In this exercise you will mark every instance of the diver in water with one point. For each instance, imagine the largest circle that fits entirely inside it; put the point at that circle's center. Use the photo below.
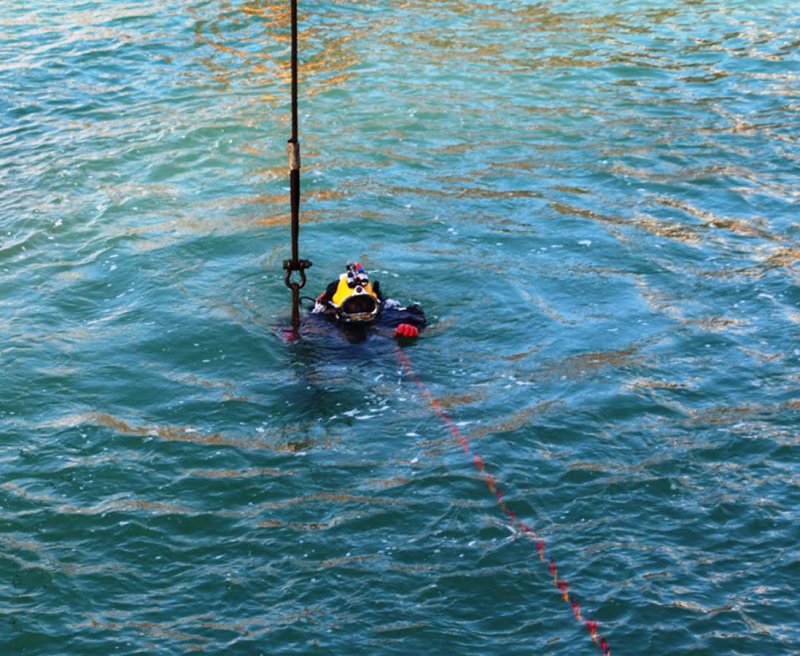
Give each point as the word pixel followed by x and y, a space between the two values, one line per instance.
pixel 355 303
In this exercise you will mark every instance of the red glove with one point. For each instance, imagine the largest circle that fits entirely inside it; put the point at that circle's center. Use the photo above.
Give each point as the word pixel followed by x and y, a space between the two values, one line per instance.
pixel 406 330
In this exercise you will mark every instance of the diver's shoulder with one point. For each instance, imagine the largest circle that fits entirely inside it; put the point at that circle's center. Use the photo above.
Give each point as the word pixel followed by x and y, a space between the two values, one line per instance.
pixel 394 313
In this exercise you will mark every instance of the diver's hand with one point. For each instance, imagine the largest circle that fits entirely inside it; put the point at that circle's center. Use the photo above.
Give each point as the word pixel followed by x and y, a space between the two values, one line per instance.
pixel 319 308
pixel 406 330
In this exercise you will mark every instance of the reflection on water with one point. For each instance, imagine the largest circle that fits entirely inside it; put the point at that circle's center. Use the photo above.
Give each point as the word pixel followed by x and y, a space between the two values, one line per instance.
pixel 595 205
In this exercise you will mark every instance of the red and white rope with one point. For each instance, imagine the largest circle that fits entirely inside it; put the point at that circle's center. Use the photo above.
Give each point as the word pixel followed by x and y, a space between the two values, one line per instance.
pixel 491 482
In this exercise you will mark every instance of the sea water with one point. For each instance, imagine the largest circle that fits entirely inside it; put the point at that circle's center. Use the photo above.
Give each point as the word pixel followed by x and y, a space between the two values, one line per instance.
pixel 595 203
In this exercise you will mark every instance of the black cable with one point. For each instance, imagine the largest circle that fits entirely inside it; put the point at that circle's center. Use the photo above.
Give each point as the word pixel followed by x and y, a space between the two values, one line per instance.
pixel 293 148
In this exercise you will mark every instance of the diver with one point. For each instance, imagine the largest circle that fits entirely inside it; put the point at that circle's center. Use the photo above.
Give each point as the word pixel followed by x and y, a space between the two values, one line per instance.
pixel 356 303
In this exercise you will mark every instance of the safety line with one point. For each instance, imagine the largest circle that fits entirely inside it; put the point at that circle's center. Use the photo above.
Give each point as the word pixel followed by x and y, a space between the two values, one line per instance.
pixel 493 484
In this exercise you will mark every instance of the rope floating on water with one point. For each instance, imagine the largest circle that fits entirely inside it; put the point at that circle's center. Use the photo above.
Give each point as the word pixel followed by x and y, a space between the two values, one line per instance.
pixel 492 483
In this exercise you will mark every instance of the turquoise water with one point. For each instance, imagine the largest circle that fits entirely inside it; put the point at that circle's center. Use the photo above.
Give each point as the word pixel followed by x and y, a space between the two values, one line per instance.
pixel 596 203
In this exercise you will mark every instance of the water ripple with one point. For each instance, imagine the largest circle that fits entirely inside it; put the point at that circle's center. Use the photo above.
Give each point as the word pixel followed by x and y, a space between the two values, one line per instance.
pixel 596 205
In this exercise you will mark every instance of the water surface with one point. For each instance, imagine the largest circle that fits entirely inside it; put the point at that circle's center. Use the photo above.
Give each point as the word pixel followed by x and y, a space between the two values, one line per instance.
pixel 596 205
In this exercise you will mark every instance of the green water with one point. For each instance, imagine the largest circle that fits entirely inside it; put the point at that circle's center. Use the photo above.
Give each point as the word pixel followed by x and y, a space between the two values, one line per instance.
pixel 597 205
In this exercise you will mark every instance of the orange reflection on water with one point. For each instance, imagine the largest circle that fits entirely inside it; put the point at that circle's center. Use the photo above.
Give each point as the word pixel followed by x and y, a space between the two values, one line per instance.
pixel 170 433
pixel 240 473
pixel 249 33
pixel 321 525
pixel 515 420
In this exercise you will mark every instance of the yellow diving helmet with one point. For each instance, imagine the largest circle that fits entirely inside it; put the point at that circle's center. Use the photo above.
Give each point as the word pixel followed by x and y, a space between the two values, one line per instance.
pixel 355 301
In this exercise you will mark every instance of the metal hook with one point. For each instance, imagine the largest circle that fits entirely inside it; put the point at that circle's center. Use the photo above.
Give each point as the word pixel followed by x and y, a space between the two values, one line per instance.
pixel 290 266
